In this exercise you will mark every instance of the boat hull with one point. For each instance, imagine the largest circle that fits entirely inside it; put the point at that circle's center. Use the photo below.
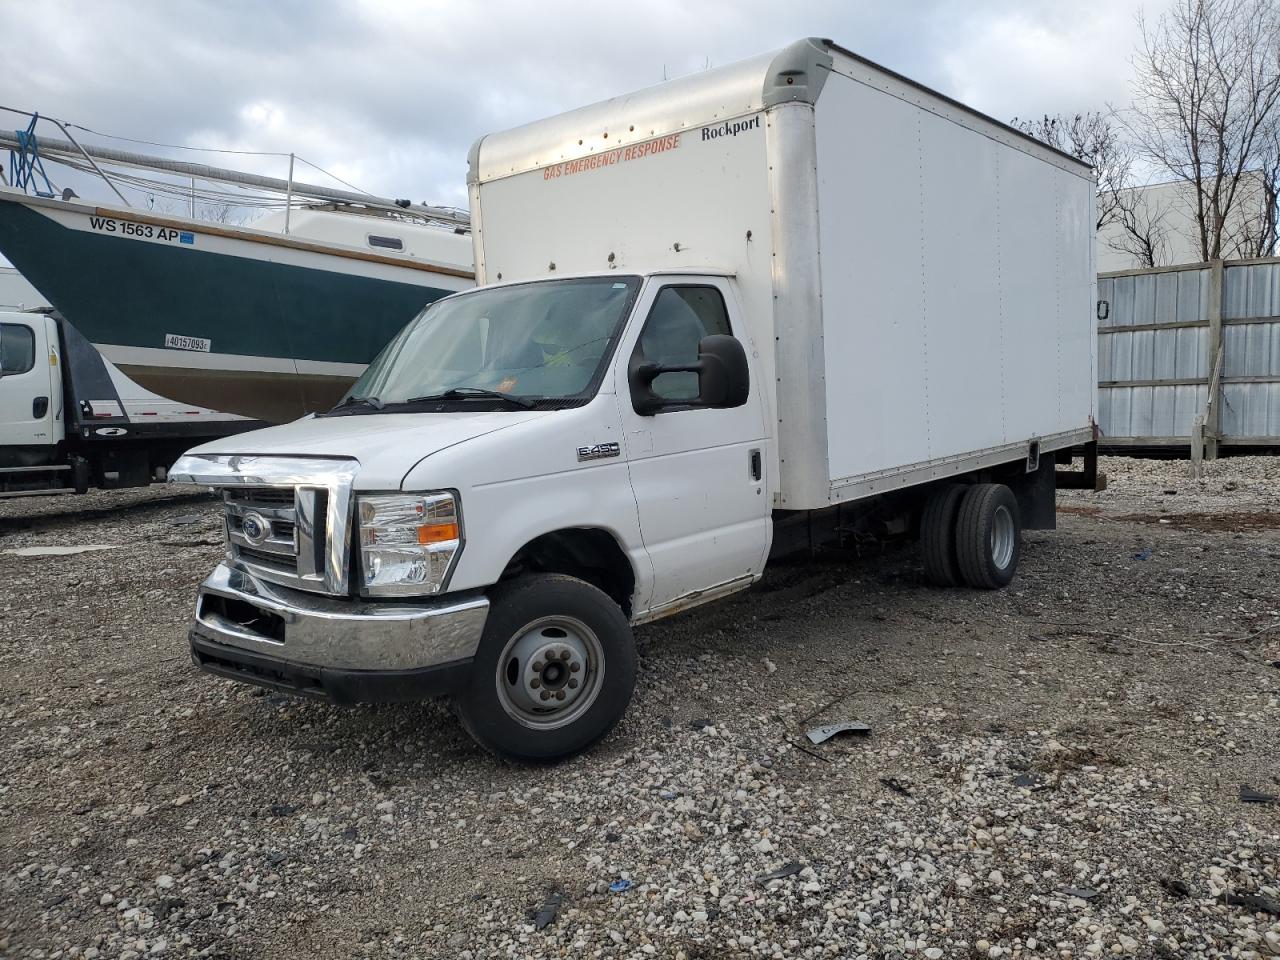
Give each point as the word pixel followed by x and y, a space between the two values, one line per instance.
pixel 232 319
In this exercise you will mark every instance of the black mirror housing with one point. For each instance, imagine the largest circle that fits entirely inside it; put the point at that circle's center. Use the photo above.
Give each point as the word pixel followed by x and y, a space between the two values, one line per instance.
pixel 724 378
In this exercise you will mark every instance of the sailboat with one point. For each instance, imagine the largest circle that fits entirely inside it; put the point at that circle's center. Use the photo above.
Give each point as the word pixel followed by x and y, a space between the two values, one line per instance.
pixel 270 320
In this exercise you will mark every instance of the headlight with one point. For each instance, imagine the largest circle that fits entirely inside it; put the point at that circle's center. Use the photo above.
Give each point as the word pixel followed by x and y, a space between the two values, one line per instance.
pixel 407 542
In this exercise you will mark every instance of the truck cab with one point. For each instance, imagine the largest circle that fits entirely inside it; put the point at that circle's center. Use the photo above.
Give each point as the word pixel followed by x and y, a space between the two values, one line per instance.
pixel 31 415
pixel 553 460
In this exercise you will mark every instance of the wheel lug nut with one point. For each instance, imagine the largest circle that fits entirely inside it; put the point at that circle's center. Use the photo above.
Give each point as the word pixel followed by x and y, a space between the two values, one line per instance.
pixel 575 667
pixel 565 654
pixel 538 666
pixel 573 684
pixel 559 694
pixel 544 695
pixel 535 683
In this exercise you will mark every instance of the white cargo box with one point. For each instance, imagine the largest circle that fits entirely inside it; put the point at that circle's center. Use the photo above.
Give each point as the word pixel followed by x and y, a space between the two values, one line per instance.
pixel 917 278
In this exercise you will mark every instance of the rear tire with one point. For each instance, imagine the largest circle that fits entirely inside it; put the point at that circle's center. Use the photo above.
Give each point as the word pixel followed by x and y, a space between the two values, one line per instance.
pixel 938 536
pixel 988 536
pixel 554 671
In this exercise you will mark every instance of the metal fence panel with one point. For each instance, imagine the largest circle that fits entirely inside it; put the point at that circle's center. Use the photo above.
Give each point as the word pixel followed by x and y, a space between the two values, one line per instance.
pixel 1154 379
pixel 1251 350
pixel 1153 413
pixel 1251 411
pixel 1193 296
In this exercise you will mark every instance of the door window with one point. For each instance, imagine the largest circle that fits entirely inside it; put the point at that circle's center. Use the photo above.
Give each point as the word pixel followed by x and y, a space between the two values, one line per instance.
pixel 680 317
pixel 17 349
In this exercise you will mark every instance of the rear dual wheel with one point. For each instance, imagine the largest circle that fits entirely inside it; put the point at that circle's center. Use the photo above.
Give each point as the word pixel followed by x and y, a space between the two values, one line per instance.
pixel 971 534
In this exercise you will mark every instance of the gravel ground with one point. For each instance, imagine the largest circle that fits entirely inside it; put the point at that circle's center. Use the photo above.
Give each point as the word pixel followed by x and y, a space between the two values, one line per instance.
pixel 1054 770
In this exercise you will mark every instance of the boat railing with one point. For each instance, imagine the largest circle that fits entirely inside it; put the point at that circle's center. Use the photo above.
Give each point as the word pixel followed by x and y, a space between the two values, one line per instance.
pixel 28 151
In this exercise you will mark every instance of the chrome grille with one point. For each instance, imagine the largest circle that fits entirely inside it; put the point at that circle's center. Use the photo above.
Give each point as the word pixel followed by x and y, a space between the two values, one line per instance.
pixel 309 546
pixel 284 541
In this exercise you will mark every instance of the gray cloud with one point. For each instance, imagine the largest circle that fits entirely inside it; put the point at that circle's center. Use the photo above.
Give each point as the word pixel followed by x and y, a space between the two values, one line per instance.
pixel 390 95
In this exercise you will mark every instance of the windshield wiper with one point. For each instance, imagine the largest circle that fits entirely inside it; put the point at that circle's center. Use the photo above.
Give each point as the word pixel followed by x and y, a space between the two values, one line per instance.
pixel 476 393
pixel 373 402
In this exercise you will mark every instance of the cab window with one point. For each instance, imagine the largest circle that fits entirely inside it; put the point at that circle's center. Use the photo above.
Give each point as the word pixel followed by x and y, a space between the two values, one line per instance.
pixel 17 349
pixel 681 316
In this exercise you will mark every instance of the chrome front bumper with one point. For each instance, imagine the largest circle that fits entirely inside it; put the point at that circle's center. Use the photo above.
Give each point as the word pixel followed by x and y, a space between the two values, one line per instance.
pixel 346 650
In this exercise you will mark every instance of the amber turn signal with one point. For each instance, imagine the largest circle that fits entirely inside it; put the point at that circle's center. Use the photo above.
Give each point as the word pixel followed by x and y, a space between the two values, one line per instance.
pixel 437 533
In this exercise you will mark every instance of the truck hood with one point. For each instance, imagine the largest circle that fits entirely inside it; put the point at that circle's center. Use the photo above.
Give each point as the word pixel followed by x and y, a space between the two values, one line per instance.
pixel 386 445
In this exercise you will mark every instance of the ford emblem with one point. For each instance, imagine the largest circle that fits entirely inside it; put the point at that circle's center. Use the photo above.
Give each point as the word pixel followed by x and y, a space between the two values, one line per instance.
pixel 256 528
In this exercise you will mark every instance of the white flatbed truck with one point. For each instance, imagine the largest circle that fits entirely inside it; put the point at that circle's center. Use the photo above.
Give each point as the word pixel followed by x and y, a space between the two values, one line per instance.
pixel 749 311
pixel 70 420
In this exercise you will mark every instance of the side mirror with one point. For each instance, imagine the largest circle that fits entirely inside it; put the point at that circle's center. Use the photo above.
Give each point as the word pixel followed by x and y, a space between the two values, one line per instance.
pixel 724 378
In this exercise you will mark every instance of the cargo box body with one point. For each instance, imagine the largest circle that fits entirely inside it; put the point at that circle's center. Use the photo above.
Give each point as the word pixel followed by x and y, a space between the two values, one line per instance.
pixel 917 278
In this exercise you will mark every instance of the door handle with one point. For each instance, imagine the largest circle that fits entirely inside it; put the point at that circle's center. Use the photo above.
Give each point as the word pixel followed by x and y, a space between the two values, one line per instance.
pixel 754 465
pixel 39 407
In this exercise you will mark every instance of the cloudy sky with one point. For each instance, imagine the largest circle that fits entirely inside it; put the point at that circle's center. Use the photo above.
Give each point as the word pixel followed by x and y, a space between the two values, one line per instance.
pixel 389 94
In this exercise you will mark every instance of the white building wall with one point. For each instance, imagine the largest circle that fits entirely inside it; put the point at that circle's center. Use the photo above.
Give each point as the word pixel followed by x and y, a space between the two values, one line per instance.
pixel 1172 207
pixel 16 292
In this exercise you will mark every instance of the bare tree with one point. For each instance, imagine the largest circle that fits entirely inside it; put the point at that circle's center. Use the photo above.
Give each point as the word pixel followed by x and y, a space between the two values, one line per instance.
pixel 1144 230
pixel 1207 105
pixel 222 213
pixel 1260 235
pixel 1093 138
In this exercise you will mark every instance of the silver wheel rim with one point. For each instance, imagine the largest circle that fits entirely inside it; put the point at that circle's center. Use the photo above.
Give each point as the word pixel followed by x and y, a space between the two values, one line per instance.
pixel 1003 536
pixel 550 672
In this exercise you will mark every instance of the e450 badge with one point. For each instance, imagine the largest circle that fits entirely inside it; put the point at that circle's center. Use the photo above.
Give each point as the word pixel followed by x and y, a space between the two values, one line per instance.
pixel 599 451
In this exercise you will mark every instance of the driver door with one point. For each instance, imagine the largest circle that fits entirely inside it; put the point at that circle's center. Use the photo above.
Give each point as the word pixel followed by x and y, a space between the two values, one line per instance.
pixel 698 474
pixel 26 378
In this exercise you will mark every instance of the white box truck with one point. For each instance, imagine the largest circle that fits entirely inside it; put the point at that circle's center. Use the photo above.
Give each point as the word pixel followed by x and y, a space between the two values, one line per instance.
pixel 748 311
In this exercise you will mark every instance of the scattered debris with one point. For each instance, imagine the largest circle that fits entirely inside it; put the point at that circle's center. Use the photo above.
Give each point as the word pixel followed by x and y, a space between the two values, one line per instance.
pixel 1179 888
pixel 186 520
pixel 1250 795
pixel 546 914
pixel 620 886
pixel 1252 901
pixel 701 723
pixel 1026 780
pixel 784 871
pixel 896 786
pixel 1143 554
pixel 282 809
pixel 1080 893
pixel 318 747
pixel 58 551
pixel 828 730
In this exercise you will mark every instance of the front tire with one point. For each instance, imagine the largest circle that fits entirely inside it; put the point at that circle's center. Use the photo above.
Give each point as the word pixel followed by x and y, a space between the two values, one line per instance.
pixel 988 536
pixel 554 671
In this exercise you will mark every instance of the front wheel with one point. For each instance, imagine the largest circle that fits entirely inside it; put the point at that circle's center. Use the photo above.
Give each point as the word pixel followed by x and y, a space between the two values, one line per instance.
pixel 554 671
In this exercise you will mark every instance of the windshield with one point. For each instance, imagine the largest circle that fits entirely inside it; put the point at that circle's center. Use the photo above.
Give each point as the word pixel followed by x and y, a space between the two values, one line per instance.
pixel 528 344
